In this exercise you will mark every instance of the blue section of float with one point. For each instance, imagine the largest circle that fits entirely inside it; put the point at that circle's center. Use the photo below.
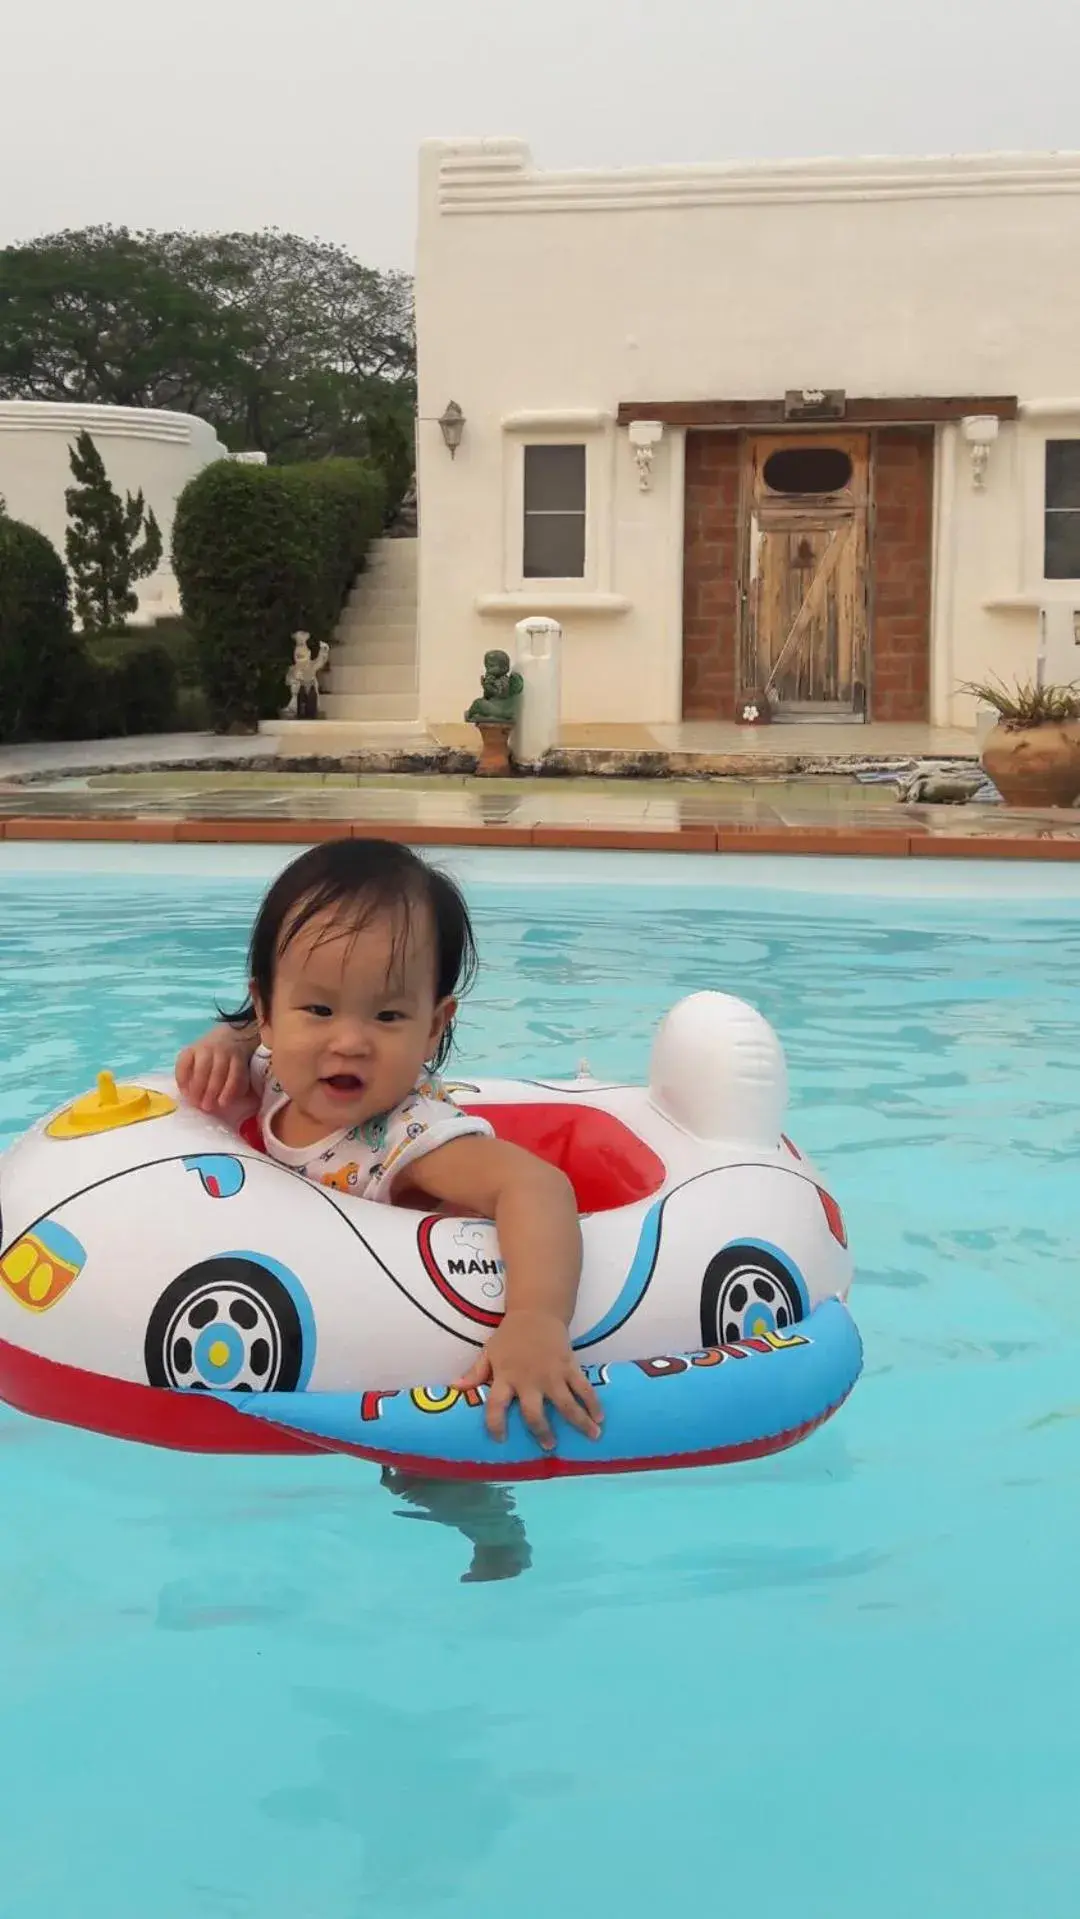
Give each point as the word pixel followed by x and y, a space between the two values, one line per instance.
pixel 676 1409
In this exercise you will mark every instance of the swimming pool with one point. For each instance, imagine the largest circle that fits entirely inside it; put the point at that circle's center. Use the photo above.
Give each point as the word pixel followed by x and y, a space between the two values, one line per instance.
pixel 839 1683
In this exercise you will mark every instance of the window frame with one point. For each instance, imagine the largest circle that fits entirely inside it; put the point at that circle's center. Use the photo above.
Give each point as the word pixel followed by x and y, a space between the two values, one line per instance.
pixel 568 426
pixel 531 443
pixel 1049 440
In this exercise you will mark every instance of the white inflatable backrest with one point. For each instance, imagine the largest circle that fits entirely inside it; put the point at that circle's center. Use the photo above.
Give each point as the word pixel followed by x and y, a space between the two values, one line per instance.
pixel 718 1071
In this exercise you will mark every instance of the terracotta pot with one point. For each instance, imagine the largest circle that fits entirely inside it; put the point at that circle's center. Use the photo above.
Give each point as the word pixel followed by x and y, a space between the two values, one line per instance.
pixel 494 761
pixel 1035 765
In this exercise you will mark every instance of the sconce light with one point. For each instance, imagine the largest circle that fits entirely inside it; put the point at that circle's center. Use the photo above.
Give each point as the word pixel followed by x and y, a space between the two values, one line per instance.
pixel 645 437
pixel 980 432
pixel 452 426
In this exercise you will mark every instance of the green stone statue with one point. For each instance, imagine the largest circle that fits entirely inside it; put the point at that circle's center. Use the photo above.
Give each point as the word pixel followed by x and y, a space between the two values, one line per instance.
pixel 502 691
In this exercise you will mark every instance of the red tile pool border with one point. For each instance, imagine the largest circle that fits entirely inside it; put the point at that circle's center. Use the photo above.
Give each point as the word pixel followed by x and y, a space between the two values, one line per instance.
pixel 890 843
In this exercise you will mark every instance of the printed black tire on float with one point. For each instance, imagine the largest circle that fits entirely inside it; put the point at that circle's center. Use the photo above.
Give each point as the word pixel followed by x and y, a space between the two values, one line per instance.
pixel 746 1289
pixel 225 1325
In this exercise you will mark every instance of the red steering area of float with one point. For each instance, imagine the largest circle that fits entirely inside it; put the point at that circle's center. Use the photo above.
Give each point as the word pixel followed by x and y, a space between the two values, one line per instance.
pixel 607 1165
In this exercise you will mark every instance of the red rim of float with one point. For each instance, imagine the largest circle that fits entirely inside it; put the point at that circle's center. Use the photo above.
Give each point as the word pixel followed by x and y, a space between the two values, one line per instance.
pixel 205 1423
pixel 123 1409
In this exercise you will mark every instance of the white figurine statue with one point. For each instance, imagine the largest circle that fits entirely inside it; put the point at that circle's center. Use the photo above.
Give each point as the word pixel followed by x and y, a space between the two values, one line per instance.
pixel 302 678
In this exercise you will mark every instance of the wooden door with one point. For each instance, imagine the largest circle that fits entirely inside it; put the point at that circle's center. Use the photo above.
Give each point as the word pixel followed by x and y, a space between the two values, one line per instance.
pixel 803 591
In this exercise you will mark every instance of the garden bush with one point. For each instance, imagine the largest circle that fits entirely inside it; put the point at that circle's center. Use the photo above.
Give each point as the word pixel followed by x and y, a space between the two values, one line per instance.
pixel 53 686
pixel 260 553
pixel 39 650
pixel 129 685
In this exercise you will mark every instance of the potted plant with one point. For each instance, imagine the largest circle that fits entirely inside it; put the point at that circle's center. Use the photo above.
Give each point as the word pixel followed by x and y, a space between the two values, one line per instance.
pixel 1033 753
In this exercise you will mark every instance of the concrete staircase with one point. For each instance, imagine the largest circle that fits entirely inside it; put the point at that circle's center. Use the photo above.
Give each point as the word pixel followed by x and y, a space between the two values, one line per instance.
pixel 370 686
pixel 372 672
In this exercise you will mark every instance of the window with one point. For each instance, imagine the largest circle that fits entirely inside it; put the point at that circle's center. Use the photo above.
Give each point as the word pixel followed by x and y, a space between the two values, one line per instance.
pixel 554 542
pixel 1062 537
pixel 807 469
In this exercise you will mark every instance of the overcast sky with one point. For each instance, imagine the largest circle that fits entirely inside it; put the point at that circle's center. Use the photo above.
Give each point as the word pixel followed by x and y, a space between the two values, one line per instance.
pixel 306 114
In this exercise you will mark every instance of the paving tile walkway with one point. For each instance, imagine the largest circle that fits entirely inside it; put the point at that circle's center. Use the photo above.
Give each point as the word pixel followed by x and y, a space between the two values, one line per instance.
pixel 163 789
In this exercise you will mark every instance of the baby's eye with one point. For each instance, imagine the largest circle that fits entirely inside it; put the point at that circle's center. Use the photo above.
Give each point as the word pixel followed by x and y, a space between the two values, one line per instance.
pixel 389 1017
pixel 318 1012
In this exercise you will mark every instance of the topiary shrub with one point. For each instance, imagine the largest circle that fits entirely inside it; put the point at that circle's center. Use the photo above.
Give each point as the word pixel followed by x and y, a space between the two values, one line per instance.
pixel 39 651
pixel 259 553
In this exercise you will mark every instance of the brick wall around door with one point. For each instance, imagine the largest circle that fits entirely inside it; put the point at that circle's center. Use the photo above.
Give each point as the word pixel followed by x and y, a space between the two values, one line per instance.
pixel 710 575
pixel 903 465
pixel 900 547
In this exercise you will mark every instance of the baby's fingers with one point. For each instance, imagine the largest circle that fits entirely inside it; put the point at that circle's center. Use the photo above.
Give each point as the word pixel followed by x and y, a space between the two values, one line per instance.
pixel 575 1414
pixel 536 1419
pixel 586 1396
pixel 478 1374
pixel 499 1400
pixel 236 1080
pixel 193 1073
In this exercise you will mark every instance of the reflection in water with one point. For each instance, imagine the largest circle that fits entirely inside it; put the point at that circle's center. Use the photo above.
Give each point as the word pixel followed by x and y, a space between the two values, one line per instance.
pixel 483 1514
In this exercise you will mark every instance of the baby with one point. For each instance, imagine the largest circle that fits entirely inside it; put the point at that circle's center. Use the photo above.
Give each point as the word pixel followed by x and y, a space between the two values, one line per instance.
pixel 356 957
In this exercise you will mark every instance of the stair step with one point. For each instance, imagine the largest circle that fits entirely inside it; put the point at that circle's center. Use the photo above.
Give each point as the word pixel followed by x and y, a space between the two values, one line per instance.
pixel 372 677
pixel 352 626
pixel 365 613
pixel 392 561
pixel 369 706
pixel 378 612
pixel 382 585
pixel 374 649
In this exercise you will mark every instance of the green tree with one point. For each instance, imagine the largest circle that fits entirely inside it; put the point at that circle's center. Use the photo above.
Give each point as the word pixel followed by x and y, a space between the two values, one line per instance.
pixel 110 542
pixel 99 317
pixel 287 346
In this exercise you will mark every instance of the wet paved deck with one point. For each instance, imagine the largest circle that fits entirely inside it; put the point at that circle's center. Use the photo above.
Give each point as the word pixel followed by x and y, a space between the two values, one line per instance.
pixel 783 816
pixel 49 792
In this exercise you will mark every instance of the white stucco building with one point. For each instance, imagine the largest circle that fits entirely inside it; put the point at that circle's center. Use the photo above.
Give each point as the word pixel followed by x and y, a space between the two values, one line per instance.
pixel 141 447
pixel 810 424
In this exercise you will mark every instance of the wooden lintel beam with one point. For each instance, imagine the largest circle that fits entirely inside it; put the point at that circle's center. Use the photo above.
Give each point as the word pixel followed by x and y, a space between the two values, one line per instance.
pixel 766 414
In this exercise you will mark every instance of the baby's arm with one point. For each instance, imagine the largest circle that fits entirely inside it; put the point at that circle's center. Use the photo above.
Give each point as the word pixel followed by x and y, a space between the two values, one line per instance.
pixel 528 1357
pixel 216 1071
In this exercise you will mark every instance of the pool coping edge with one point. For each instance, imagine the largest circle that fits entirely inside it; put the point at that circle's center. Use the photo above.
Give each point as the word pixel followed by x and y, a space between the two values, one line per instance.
pixel 862 843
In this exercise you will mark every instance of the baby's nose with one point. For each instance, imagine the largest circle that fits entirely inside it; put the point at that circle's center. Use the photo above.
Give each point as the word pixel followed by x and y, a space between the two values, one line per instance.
pixel 353 1039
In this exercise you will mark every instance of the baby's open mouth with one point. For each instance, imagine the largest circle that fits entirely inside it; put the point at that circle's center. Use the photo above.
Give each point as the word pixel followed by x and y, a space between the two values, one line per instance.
pixel 344 1083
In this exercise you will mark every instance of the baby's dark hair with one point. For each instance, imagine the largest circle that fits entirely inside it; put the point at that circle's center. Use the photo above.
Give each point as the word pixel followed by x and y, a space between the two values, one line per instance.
pixel 358 881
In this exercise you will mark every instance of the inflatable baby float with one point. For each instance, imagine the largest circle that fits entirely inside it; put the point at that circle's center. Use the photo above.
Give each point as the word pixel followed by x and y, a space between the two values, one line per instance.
pixel 162 1281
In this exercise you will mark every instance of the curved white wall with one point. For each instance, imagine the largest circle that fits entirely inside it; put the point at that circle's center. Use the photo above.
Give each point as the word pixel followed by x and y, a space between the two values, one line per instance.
pixel 140 446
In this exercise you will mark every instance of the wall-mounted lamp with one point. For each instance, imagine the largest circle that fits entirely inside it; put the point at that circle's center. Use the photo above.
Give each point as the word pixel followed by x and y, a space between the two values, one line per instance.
pixel 980 432
pixel 452 426
pixel 645 437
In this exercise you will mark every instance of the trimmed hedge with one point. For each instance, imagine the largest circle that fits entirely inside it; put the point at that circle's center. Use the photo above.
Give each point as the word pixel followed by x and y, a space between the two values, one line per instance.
pixel 260 553
pixel 129 685
pixel 52 686
pixel 39 651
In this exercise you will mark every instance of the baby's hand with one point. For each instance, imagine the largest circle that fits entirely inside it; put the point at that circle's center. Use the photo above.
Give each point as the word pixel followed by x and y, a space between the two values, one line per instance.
pixel 216 1071
pixel 529 1358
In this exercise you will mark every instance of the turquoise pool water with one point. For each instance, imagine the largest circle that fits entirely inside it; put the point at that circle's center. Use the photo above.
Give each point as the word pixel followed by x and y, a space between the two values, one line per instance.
pixel 840 1684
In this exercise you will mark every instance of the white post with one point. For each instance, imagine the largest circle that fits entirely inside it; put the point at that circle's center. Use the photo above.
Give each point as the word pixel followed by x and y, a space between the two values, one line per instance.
pixel 539 661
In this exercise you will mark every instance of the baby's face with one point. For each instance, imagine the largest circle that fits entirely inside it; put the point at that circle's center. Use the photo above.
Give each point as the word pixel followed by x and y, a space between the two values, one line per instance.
pixel 353 1018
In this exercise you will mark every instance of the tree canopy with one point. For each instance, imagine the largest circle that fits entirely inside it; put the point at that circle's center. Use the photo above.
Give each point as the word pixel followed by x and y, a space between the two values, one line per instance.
pixel 286 346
